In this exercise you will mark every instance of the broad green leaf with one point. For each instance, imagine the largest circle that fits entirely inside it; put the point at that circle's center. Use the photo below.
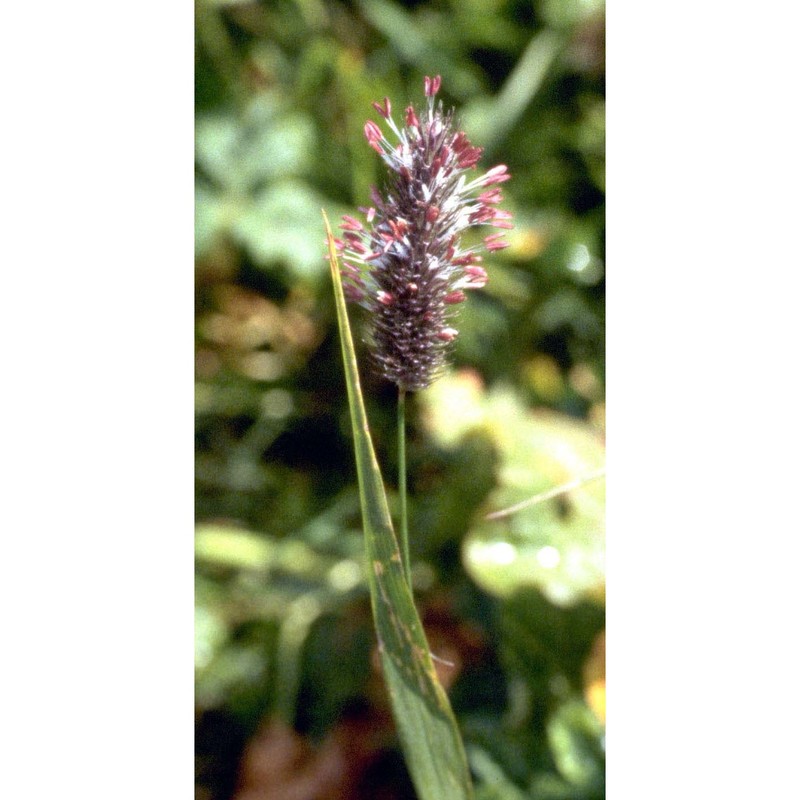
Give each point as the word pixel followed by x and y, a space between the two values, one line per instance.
pixel 267 142
pixel 557 546
pixel 280 223
pixel 425 721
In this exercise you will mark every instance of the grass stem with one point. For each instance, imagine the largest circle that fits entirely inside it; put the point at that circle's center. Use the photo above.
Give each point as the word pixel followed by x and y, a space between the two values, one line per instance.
pixel 401 483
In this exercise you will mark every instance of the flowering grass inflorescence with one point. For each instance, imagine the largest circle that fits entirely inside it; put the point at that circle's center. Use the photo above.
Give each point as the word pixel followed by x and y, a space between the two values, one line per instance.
pixel 406 265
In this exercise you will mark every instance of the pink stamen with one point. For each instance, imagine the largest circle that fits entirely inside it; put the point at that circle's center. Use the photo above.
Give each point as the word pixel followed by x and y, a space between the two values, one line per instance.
pixel 477 277
pixel 351 224
pixel 354 278
pixel 411 118
pixel 447 334
pixel 481 214
pixel 384 110
pixel 470 157
pixel 455 297
pixel 496 245
pixel 353 293
pixel 374 136
pixel 498 179
pixel 432 85
pixel 498 170
pixel 491 197
pixel 385 298
pixel 399 227
pixel 497 174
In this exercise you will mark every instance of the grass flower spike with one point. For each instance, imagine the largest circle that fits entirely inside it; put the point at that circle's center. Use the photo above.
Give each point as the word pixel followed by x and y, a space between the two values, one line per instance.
pixel 405 263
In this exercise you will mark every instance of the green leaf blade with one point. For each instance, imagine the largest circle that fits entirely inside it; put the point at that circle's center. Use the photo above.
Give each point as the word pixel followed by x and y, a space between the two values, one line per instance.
pixel 425 721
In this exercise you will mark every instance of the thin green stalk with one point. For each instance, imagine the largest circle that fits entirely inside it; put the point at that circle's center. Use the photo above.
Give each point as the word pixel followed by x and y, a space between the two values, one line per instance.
pixel 401 483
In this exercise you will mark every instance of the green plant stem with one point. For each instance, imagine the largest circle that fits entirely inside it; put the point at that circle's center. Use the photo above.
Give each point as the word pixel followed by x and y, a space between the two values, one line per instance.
pixel 401 483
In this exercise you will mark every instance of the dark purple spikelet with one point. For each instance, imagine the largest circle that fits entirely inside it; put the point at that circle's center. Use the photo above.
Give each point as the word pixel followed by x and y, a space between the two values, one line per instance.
pixel 405 266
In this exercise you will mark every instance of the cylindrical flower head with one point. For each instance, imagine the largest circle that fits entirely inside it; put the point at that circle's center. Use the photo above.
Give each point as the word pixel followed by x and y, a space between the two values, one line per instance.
pixel 406 266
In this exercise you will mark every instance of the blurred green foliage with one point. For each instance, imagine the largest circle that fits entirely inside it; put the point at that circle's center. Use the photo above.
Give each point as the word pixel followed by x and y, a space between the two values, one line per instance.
pixel 289 697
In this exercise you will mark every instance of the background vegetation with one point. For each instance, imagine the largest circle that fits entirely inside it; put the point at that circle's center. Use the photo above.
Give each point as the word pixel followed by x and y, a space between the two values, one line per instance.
pixel 289 700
